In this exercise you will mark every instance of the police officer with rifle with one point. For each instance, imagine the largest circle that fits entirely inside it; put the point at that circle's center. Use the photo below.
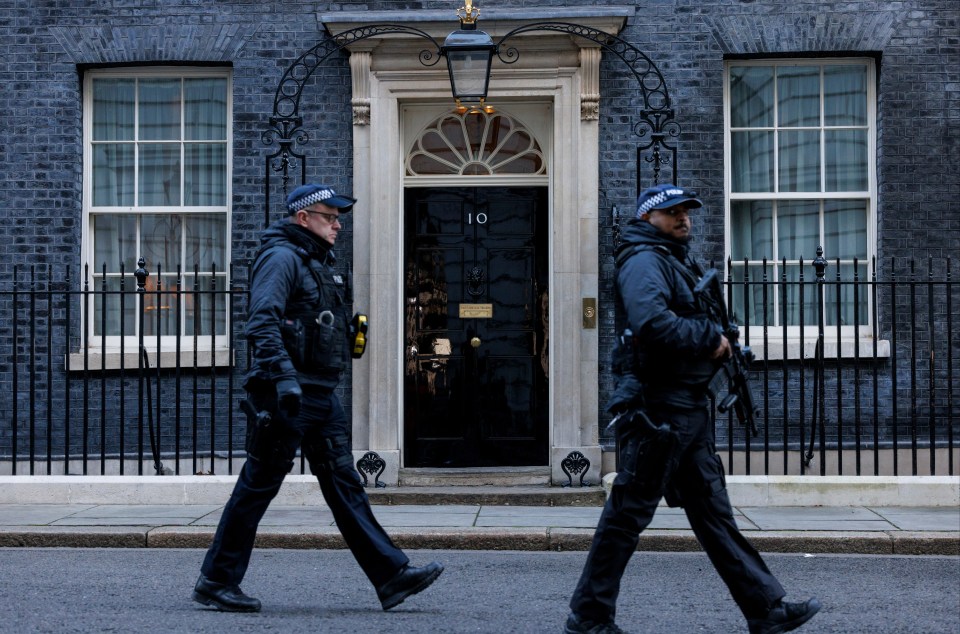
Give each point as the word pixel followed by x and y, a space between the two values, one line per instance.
pixel 302 337
pixel 665 362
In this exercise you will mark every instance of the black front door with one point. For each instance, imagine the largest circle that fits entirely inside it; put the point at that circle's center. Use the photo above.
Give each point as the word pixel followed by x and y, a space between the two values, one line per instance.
pixel 475 368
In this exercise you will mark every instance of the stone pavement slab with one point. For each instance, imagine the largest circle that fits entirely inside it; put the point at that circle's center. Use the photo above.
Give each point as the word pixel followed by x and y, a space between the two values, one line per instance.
pixel 37 514
pixel 279 517
pixel 432 516
pixel 934 518
pixel 816 518
pixel 134 515
pixel 519 516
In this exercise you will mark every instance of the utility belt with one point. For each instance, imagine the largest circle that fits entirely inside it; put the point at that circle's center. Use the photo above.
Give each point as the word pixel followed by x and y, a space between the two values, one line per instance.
pixel 318 344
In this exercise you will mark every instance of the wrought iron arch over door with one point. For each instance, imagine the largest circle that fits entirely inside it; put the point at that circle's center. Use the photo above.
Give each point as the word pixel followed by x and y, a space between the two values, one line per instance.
pixel 286 123
pixel 656 123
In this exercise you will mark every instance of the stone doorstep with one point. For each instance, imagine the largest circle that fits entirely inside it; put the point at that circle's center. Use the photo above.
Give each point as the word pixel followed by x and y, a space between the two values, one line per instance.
pixel 303 490
pixel 490 495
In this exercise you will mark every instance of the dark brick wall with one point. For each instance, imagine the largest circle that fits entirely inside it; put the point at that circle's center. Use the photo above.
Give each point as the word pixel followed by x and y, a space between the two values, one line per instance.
pixel 49 43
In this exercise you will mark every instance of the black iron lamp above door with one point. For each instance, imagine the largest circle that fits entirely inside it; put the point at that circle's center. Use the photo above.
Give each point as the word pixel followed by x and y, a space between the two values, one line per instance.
pixel 469 52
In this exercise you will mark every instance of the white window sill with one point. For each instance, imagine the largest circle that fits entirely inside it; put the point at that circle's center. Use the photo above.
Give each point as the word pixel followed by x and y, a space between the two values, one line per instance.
pixel 97 361
pixel 775 349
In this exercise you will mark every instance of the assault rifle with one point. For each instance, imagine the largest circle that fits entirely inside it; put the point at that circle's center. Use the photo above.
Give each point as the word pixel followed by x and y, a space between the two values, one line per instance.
pixel 709 295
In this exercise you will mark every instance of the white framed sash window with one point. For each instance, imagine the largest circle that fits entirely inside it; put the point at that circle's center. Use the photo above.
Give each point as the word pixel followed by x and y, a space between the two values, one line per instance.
pixel 156 183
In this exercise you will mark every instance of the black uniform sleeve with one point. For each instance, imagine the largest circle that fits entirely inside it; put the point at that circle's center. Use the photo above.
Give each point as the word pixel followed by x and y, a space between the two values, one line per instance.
pixel 653 293
pixel 276 276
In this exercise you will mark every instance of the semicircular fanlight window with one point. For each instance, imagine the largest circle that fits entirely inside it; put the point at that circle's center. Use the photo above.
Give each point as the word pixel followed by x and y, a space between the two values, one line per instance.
pixel 475 144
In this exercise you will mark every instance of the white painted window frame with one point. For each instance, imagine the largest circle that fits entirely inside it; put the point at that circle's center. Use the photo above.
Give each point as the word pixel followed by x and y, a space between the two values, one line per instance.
pixel 168 344
pixel 837 341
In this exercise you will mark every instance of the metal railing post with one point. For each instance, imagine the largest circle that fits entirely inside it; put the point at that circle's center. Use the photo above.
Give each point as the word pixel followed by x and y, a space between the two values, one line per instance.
pixel 820 265
pixel 141 275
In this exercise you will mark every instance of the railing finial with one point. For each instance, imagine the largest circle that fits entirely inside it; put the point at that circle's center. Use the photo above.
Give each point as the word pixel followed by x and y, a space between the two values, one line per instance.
pixel 820 264
pixel 141 273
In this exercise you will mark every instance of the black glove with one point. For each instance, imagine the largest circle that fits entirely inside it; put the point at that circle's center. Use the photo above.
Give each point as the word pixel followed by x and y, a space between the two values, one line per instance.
pixel 288 398
pixel 627 395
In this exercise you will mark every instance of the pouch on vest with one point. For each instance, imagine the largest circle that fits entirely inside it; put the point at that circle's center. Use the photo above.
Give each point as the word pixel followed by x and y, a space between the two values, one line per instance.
pixel 328 340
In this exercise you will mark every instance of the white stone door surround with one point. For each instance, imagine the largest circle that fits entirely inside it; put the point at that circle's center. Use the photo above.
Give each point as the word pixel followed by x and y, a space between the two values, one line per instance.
pixel 386 76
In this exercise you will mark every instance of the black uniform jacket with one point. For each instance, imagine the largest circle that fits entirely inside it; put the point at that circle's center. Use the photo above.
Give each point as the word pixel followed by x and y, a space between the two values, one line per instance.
pixel 674 337
pixel 284 288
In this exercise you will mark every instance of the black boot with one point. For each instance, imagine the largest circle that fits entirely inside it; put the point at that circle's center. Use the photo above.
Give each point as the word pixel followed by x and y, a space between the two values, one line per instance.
pixel 784 617
pixel 224 597
pixel 407 582
pixel 577 625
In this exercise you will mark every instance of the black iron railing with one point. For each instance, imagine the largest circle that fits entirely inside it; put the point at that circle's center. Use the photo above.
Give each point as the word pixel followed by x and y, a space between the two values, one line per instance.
pixel 855 371
pixel 89 370
pixel 854 376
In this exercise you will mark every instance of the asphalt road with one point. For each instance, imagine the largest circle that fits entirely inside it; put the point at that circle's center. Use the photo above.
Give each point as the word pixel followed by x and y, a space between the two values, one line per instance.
pixel 141 590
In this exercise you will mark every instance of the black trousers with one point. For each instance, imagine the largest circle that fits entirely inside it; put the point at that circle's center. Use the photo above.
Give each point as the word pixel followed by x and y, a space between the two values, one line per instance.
pixel 325 436
pixel 691 476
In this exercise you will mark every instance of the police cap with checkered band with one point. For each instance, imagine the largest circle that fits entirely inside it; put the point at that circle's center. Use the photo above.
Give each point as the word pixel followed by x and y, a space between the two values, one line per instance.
pixel 307 195
pixel 666 196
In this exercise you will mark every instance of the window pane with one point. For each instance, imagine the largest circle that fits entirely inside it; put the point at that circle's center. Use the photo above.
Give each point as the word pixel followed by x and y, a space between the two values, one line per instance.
pixel 476 127
pixel 113 101
pixel 845 153
pixel 799 161
pixel 798 231
pixel 114 242
pixel 160 307
pixel 202 306
pixel 751 229
pixel 751 97
pixel 159 174
pixel 752 161
pixel 529 163
pixel 798 92
pixel 422 164
pixel 112 175
pixel 850 312
pixel 845 95
pixel 159 109
pixel 205 109
pixel 749 307
pixel 107 306
pixel 797 296
pixel 845 229
pixel 206 242
pixel 204 178
pixel 160 236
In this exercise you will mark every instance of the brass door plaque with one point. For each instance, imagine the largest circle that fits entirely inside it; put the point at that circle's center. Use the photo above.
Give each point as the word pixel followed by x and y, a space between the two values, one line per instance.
pixel 589 312
pixel 476 311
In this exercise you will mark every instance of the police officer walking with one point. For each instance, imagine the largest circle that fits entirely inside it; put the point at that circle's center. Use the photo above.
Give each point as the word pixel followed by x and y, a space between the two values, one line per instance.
pixel 298 329
pixel 665 364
